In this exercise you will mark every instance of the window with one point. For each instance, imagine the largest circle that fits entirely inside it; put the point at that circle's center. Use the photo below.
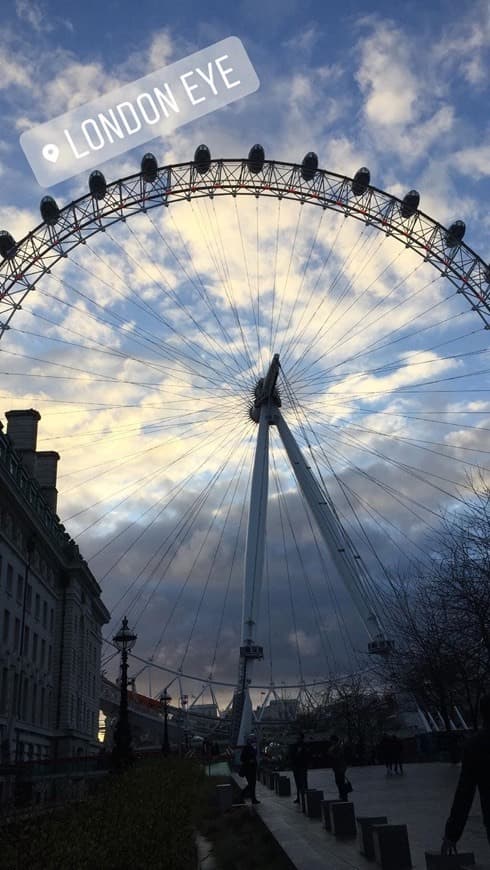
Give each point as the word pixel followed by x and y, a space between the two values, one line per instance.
pixel 1 572
pixel 6 626
pixel 34 648
pixel 50 656
pixel 34 704
pixel 16 693
pixel 42 712
pixel 43 653
pixel 51 620
pixel 27 637
pixel 10 578
pixel 17 634
pixel 45 614
pixel 20 588
pixel 4 690
pixel 38 606
pixel 29 598
pixel 25 695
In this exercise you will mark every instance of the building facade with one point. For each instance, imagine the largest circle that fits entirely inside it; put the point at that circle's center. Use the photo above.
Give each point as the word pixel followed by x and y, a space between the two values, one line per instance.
pixel 51 613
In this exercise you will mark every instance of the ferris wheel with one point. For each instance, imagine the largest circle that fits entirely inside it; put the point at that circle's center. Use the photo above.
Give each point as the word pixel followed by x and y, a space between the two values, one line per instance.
pixel 250 363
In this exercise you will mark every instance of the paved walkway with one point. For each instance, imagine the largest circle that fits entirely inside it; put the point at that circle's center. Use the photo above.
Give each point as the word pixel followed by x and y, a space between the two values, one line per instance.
pixel 421 799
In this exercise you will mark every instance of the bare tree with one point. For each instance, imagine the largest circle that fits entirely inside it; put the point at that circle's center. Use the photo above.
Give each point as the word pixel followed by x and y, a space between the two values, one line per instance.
pixel 440 619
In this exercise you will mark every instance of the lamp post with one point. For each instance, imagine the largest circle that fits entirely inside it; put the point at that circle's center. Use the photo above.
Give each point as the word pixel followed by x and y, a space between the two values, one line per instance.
pixel 165 697
pixel 125 640
pixel 184 701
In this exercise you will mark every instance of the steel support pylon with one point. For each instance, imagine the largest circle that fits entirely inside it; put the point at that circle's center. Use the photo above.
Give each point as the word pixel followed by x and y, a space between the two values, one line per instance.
pixel 266 412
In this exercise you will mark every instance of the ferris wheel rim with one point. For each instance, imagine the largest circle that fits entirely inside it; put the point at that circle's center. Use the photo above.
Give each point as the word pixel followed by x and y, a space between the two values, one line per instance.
pixel 459 263
pixel 462 266
pixel 210 681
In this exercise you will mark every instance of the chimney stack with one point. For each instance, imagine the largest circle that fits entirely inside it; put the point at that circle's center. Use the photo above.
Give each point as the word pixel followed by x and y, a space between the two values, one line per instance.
pixel 46 470
pixel 22 431
pixel 42 465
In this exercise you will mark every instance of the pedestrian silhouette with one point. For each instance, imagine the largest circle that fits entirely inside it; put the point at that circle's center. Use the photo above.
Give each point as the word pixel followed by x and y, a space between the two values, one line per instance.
pixel 475 772
pixel 386 752
pixel 339 766
pixel 248 769
pixel 397 754
pixel 299 766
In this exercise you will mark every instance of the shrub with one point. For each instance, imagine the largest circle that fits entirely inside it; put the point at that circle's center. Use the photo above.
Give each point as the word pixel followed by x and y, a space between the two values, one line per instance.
pixel 142 818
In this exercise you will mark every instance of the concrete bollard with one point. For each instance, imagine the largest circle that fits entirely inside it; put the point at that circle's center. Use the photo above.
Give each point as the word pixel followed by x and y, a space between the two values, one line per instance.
pixel 436 861
pixel 391 847
pixel 365 825
pixel 325 805
pixel 224 797
pixel 343 819
pixel 314 797
pixel 283 786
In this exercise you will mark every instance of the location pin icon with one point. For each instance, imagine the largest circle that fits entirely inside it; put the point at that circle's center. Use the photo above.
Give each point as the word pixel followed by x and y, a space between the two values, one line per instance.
pixel 51 152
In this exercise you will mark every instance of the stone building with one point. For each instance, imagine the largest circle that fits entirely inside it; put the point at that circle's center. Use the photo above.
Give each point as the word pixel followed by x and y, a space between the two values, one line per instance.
pixel 51 613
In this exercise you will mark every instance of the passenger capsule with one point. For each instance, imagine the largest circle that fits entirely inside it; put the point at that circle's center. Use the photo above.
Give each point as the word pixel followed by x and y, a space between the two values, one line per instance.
pixel 149 167
pixel 410 204
pixel 487 274
pixel 7 244
pixel 360 182
pixel 256 157
pixel 202 159
pixel 309 166
pixel 97 184
pixel 50 212
pixel 455 233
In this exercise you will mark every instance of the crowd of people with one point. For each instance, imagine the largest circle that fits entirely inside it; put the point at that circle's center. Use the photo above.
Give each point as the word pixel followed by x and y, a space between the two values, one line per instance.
pixel 390 753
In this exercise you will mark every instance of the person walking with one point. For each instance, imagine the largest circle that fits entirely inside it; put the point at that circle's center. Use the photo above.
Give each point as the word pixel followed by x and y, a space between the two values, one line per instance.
pixel 299 766
pixel 397 754
pixel 339 766
pixel 248 769
pixel 475 772
pixel 385 752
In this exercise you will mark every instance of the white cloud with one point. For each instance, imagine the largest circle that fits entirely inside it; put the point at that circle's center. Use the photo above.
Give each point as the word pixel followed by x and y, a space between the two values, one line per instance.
pixel 305 40
pixel 168 433
pixel 465 45
pixel 390 90
pixel 32 13
pixel 474 161
pixel 14 71
pixel 308 645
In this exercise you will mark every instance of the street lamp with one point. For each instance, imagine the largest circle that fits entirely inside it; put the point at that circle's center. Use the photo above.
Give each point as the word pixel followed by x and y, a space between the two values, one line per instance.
pixel 165 697
pixel 184 701
pixel 124 640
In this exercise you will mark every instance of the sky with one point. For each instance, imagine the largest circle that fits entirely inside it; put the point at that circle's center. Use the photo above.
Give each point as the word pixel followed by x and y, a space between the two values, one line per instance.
pixel 142 348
